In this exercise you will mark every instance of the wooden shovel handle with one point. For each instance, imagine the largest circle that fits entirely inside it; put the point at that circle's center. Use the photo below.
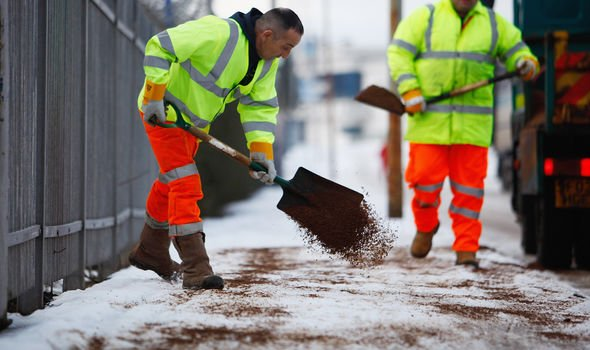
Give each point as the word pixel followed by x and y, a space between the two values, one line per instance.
pixel 471 87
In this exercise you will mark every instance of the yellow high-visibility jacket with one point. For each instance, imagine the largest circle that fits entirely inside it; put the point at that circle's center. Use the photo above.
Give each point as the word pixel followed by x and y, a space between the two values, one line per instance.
pixel 433 50
pixel 202 63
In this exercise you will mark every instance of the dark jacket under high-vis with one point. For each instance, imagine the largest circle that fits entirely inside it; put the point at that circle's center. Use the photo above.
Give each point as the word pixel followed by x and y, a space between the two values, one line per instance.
pixel 437 52
pixel 202 64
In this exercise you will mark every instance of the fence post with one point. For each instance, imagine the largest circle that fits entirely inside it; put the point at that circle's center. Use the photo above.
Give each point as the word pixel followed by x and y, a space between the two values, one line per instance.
pixel 4 322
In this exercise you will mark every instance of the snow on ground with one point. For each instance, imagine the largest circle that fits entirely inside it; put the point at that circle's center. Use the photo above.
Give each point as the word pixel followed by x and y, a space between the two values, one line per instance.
pixel 281 294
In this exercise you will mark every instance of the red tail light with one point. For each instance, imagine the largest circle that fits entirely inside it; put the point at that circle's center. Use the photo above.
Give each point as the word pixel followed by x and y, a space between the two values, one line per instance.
pixel 585 167
pixel 548 167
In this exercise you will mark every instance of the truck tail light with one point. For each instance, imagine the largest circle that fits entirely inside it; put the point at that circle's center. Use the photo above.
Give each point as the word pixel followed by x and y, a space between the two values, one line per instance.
pixel 548 167
pixel 569 167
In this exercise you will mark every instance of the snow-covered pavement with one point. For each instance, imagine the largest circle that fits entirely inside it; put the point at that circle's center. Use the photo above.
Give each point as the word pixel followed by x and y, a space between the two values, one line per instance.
pixel 281 294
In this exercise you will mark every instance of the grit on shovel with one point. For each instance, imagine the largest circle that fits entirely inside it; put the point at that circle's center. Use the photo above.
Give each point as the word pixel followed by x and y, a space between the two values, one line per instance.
pixel 383 98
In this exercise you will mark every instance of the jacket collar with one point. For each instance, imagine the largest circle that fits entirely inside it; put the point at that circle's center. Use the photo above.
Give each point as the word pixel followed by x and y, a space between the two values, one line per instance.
pixel 247 22
pixel 478 8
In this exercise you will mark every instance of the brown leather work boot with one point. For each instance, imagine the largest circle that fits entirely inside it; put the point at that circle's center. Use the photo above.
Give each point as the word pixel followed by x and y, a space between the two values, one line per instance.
pixel 422 243
pixel 196 271
pixel 152 253
pixel 467 258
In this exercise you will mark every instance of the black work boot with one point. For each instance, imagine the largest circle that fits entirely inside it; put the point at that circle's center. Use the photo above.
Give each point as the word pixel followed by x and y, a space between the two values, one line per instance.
pixel 196 271
pixel 422 243
pixel 152 253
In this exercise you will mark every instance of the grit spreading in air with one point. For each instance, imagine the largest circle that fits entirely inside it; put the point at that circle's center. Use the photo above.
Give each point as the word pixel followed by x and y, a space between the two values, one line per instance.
pixel 354 232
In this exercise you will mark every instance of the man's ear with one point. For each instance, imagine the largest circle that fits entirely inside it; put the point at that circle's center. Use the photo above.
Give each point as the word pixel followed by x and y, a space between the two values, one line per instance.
pixel 267 33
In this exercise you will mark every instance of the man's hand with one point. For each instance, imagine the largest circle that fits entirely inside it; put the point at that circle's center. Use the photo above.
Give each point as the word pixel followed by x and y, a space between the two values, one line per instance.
pixel 153 102
pixel 154 108
pixel 414 101
pixel 261 152
pixel 528 67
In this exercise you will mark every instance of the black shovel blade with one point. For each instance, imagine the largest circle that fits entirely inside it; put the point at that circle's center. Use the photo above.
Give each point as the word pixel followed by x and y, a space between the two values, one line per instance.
pixel 307 189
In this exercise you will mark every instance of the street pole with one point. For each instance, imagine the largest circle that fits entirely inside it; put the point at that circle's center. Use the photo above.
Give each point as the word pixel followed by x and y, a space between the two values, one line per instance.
pixel 394 167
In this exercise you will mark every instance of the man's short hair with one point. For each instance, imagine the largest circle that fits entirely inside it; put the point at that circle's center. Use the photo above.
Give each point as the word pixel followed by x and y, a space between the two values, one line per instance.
pixel 280 19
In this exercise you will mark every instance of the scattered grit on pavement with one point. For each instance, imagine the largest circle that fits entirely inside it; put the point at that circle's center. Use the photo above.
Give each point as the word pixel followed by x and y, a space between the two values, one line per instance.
pixel 287 298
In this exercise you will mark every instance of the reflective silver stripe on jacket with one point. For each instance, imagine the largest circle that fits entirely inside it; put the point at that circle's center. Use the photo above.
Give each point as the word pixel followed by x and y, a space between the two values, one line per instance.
pixel 185 229
pixel 209 81
pixel 198 121
pixel 405 45
pixel 513 50
pixel 494 26
pixel 472 56
pixel 403 77
pixel 265 68
pixel 471 214
pixel 429 28
pixel 157 62
pixel 468 190
pixel 259 126
pixel 430 188
pixel 460 109
pixel 478 57
pixel 247 100
pixel 178 173
pixel 165 42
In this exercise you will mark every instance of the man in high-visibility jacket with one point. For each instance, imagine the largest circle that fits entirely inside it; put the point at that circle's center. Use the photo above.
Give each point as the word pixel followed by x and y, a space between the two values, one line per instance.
pixel 201 66
pixel 437 49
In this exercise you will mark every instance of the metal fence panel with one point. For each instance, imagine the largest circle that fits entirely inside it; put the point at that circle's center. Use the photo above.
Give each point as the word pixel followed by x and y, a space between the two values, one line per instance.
pixel 64 146
pixel 25 106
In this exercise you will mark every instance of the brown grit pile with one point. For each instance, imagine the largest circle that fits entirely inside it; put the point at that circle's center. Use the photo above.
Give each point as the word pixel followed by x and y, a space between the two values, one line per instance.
pixel 344 228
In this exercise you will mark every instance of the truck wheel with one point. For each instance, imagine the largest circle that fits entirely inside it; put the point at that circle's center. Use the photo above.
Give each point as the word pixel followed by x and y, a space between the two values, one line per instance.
pixel 528 224
pixel 582 243
pixel 554 242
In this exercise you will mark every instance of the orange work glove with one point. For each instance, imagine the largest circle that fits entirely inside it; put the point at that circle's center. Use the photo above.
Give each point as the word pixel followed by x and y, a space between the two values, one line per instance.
pixel 153 102
pixel 414 101
pixel 261 152
pixel 528 67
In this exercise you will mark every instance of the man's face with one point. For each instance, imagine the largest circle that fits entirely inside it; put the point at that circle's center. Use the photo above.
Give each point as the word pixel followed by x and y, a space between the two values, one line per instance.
pixel 464 6
pixel 269 47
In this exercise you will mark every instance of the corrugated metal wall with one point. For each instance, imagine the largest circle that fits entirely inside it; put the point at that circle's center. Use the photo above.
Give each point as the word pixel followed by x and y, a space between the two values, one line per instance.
pixel 76 165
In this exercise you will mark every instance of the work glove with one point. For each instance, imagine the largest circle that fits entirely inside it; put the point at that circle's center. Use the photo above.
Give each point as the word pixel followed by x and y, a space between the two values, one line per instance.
pixel 414 101
pixel 261 152
pixel 528 67
pixel 153 102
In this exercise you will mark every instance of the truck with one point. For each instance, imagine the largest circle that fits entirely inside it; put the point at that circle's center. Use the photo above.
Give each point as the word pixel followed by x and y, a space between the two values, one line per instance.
pixel 550 128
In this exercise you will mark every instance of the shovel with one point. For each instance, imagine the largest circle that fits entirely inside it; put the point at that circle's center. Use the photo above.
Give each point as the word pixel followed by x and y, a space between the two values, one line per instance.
pixel 304 196
pixel 383 98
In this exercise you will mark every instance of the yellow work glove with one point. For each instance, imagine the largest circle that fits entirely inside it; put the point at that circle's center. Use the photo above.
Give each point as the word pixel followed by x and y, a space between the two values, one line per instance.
pixel 528 67
pixel 153 102
pixel 414 101
pixel 261 152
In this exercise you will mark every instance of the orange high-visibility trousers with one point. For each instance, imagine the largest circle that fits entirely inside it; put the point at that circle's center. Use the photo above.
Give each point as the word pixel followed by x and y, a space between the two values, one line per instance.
pixel 172 200
pixel 466 167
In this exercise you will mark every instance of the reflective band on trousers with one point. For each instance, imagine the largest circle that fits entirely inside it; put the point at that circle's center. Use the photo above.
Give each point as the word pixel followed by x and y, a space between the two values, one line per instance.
pixel 178 173
pixel 429 188
pixel 185 229
pixel 471 191
pixel 155 224
pixel 464 211
pixel 428 205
